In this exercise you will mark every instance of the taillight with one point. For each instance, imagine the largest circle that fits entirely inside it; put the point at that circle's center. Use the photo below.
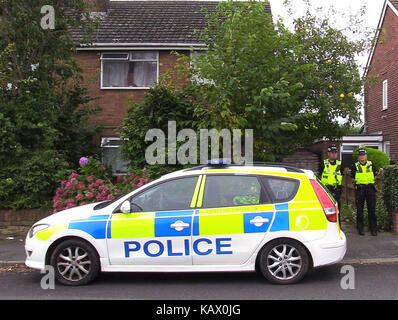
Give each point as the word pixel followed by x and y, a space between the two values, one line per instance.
pixel 327 204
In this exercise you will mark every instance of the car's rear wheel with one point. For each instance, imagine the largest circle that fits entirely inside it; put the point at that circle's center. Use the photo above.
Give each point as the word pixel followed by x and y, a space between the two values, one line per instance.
pixel 75 262
pixel 283 261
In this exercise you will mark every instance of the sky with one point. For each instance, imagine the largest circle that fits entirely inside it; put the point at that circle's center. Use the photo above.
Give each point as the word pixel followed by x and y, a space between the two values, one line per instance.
pixel 371 17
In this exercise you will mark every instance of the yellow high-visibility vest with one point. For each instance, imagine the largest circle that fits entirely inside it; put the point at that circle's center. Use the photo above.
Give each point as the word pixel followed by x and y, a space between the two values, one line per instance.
pixel 331 175
pixel 364 173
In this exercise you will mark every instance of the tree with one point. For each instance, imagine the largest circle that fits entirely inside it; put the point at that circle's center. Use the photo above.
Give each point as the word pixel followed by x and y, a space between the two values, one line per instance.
pixel 44 107
pixel 289 86
pixel 163 103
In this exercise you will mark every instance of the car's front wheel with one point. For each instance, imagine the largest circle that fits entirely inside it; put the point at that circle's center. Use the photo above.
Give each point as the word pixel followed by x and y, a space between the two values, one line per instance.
pixel 283 261
pixel 75 262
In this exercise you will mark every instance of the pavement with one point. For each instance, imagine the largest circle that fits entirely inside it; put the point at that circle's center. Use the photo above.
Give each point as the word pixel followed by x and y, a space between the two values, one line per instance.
pixel 360 249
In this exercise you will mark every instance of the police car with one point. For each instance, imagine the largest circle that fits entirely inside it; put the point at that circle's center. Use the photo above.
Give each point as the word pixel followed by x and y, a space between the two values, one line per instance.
pixel 272 218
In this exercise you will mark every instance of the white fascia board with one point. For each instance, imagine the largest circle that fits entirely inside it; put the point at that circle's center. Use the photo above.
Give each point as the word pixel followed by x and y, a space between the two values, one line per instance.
pixel 362 138
pixel 142 46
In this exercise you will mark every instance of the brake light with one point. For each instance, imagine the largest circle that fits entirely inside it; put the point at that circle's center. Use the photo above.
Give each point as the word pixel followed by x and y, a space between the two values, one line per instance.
pixel 327 204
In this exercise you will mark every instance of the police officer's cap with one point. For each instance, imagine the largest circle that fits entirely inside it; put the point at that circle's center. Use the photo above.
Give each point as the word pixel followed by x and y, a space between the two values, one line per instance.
pixel 332 148
pixel 362 151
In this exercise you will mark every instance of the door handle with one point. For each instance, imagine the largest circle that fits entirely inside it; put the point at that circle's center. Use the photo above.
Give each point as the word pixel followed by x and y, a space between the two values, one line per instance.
pixel 179 225
pixel 259 221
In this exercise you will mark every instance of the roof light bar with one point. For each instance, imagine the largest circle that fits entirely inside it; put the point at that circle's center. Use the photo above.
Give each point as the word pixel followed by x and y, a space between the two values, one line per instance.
pixel 219 161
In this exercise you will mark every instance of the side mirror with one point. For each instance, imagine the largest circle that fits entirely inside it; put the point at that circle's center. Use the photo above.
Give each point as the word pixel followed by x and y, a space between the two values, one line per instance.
pixel 125 207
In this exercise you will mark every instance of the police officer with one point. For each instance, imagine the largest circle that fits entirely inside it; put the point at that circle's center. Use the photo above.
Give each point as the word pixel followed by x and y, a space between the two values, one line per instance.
pixel 364 173
pixel 332 175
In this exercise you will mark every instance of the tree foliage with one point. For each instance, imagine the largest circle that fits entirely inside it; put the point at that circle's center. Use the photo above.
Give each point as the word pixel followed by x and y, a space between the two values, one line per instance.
pixel 163 103
pixel 44 107
pixel 289 86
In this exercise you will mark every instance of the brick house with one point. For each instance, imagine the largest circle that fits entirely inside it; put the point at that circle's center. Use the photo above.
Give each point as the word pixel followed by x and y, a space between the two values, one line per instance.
pixel 381 97
pixel 131 48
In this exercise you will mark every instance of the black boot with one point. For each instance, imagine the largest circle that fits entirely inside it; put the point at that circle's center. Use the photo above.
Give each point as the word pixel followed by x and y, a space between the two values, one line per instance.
pixel 360 232
pixel 373 233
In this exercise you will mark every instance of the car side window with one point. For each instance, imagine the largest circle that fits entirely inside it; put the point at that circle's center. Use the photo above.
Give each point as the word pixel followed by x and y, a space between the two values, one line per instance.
pixel 233 190
pixel 170 195
pixel 282 190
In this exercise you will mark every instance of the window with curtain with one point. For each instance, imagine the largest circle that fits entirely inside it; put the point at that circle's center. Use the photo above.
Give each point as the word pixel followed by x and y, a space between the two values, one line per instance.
pixel 136 69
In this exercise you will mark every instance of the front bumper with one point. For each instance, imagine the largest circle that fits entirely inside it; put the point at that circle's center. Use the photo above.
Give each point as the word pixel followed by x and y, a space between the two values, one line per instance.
pixel 36 251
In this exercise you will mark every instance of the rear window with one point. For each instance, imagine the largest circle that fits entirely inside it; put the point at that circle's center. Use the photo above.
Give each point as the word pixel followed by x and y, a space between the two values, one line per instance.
pixel 281 189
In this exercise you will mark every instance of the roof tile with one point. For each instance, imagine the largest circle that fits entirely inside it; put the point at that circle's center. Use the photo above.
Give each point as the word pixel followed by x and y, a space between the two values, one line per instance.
pixel 152 22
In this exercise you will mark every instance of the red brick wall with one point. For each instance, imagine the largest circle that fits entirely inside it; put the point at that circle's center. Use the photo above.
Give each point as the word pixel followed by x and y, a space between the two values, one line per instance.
pixel 384 65
pixel 99 5
pixel 303 159
pixel 113 102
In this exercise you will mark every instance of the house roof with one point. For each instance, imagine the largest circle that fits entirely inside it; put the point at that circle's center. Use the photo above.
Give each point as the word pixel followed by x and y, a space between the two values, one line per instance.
pixel 393 5
pixel 151 22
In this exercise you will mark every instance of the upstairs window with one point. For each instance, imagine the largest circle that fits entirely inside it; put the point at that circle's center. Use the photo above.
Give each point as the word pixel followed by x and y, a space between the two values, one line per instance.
pixel 385 94
pixel 129 70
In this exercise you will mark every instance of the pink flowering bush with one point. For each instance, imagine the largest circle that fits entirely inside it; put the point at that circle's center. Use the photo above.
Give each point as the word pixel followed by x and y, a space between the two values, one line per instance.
pixel 94 183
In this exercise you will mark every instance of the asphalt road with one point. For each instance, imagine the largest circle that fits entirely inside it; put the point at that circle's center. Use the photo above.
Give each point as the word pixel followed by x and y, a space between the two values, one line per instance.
pixel 371 281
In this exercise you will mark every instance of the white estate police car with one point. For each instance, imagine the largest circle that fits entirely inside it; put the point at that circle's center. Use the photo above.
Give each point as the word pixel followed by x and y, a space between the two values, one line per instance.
pixel 273 218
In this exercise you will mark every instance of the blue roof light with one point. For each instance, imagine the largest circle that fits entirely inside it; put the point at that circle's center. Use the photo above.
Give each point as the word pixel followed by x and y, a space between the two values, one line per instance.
pixel 219 161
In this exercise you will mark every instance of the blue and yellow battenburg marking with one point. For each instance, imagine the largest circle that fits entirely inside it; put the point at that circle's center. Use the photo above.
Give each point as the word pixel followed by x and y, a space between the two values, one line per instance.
pixel 204 222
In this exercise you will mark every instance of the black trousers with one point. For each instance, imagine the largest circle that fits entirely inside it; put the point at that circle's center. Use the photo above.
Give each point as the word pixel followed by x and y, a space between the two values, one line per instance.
pixel 336 193
pixel 368 193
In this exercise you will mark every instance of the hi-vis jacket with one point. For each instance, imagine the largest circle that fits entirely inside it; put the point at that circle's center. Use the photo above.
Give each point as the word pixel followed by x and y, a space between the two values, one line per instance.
pixel 331 175
pixel 364 173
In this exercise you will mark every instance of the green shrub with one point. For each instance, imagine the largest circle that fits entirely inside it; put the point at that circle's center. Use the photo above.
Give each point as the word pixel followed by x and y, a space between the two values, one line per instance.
pixel 348 213
pixel 390 187
pixel 162 103
pixel 29 182
pixel 384 221
pixel 379 158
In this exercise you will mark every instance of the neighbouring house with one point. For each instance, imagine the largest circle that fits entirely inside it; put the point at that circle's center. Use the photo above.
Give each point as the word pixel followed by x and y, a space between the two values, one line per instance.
pixel 381 94
pixel 131 48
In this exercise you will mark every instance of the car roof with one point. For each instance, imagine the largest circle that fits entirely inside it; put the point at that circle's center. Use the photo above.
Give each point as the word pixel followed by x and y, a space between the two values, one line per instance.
pixel 280 169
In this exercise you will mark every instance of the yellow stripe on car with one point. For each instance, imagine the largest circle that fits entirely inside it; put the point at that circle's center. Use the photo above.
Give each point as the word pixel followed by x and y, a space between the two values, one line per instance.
pixel 47 233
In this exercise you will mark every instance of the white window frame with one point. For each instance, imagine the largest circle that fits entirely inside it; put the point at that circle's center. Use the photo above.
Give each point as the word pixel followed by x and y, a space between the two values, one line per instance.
pixel 385 95
pixel 357 144
pixel 104 140
pixel 115 59
pixel 387 143
pixel 128 59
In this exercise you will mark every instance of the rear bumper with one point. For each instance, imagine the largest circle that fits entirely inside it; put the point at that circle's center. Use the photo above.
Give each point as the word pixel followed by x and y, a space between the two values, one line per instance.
pixel 328 252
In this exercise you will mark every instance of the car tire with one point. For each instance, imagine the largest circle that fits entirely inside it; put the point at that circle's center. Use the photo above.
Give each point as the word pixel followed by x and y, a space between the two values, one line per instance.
pixel 283 261
pixel 75 262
